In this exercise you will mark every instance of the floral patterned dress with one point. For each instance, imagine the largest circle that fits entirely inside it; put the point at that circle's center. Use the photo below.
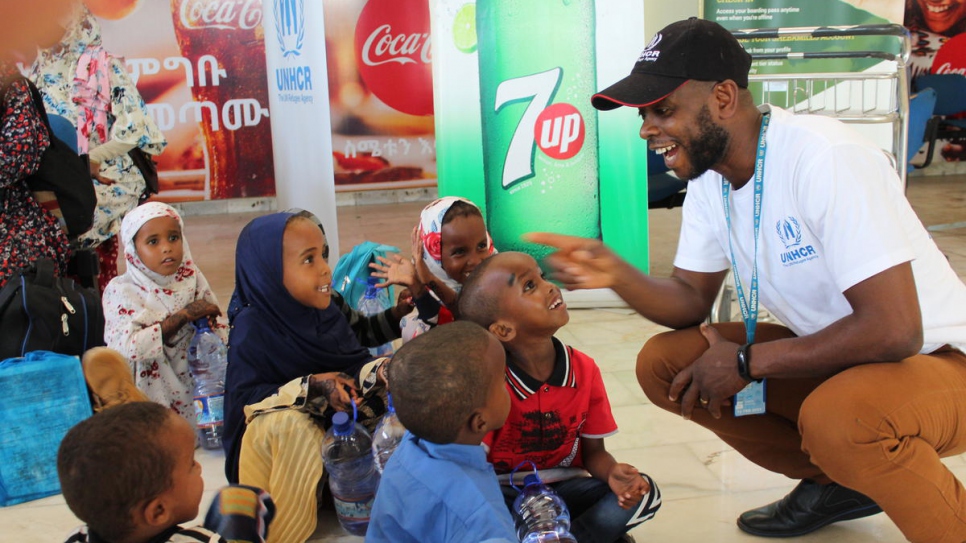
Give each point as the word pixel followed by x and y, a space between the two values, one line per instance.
pixel 136 303
pixel 89 87
pixel 27 231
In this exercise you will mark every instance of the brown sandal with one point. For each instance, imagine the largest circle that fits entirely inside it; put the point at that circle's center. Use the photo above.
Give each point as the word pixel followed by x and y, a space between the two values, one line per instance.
pixel 109 377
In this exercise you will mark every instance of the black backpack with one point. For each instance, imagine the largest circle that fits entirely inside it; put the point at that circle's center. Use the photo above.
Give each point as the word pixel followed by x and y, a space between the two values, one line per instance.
pixel 64 173
pixel 40 312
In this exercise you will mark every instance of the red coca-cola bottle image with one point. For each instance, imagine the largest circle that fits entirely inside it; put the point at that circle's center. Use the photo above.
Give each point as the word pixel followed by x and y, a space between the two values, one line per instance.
pixel 223 46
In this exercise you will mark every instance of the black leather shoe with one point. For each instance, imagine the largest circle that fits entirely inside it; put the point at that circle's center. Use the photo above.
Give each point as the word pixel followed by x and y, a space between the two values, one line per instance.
pixel 808 507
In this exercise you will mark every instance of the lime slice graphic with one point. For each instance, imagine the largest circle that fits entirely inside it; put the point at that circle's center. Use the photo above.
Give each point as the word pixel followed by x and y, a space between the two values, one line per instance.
pixel 464 28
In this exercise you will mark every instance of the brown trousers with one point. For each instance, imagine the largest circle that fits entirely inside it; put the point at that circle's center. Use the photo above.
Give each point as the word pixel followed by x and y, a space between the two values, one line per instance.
pixel 880 429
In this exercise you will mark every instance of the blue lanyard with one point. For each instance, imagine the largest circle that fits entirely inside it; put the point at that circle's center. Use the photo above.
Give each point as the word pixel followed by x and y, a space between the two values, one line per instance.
pixel 749 307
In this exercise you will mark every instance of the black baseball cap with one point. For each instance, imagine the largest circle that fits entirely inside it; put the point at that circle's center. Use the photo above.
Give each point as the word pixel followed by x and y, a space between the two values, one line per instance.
pixel 690 49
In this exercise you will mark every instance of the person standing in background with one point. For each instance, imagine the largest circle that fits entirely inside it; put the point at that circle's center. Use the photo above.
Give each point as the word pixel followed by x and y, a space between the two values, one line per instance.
pixel 27 231
pixel 25 24
pixel 88 86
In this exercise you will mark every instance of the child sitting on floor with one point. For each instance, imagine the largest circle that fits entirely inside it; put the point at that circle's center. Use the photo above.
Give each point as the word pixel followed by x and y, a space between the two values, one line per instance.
pixel 448 243
pixel 438 487
pixel 149 309
pixel 297 353
pixel 559 412
pixel 130 474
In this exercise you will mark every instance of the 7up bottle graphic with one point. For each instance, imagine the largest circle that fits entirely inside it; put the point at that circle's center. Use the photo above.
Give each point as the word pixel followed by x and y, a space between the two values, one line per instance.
pixel 537 73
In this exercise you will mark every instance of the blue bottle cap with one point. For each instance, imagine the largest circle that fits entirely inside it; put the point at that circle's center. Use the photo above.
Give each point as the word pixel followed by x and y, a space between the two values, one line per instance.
pixel 532 479
pixel 202 324
pixel 341 425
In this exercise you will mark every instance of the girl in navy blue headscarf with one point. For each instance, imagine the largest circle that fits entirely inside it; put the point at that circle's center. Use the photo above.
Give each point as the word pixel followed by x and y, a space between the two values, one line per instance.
pixel 295 356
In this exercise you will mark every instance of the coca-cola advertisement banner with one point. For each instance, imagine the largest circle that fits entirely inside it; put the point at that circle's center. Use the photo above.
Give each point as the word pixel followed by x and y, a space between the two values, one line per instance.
pixel 200 67
pixel 381 93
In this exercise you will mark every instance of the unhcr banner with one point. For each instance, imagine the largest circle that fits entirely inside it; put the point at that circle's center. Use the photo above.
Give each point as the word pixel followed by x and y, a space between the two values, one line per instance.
pixel 295 52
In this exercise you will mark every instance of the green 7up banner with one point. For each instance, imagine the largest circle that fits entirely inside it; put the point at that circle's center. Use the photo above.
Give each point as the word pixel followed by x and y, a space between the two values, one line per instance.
pixel 515 129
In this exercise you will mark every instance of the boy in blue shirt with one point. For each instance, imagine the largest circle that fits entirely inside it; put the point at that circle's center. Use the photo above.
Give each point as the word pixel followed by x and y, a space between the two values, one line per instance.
pixel 447 388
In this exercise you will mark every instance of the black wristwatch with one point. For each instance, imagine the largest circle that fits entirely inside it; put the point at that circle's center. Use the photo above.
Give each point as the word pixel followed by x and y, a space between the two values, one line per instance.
pixel 744 363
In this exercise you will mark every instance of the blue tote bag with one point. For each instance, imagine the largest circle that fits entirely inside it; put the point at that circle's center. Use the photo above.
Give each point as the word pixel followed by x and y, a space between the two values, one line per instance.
pixel 44 395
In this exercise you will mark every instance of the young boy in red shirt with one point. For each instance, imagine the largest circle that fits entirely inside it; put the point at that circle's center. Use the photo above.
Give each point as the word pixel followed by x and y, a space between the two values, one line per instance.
pixel 559 412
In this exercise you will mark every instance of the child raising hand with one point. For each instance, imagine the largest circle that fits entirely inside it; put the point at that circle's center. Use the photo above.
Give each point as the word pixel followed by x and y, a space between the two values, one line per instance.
pixel 449 242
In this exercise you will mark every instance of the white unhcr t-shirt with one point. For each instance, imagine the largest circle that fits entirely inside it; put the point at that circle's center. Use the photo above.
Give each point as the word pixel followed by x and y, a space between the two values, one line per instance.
pixel 833 214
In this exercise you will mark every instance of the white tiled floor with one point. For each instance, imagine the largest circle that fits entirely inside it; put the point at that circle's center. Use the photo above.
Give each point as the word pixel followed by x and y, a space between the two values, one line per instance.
pixel 705 484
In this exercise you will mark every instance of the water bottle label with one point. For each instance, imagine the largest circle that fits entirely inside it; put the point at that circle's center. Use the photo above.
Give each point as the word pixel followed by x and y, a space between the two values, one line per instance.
pixel 210 410
pixel 352 510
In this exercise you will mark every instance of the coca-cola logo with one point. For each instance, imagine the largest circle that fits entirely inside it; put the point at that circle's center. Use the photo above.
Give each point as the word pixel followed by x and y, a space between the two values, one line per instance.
pixel 947 68
pixel 382 47
pixel 222 14
pixel 951 57
pixel 392 45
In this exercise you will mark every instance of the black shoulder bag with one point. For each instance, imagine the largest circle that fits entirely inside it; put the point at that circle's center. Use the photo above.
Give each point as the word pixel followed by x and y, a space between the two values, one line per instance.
pixel 41 312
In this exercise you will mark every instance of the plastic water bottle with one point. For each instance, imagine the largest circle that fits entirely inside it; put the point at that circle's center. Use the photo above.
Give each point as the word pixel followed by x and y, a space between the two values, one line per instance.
pixel 347 455
pixel 207 360
pixel 542 514
pixel 371 304
pixel 388 435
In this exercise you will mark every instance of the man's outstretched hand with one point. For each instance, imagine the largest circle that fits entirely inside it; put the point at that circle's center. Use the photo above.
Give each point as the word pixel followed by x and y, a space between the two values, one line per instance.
pixel 579 263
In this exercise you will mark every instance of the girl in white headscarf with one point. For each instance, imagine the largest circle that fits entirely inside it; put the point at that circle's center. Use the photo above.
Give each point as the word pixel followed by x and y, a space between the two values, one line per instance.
pixel 148 309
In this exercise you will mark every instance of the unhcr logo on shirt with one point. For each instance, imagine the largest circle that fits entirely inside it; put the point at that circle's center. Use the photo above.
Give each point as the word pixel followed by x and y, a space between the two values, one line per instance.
pixel 290 25
pixel 790 233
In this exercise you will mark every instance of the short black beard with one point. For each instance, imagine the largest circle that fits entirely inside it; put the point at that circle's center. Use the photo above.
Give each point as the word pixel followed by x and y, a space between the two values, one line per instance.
pixel 709 147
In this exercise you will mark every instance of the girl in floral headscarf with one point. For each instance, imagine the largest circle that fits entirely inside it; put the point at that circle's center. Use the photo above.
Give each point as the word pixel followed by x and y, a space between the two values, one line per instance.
pixel 148 309
pixel 88 86
pixel 448 243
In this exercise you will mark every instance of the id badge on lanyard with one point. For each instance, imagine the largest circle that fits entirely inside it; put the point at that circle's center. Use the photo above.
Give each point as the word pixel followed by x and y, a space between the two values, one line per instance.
pixel 751 399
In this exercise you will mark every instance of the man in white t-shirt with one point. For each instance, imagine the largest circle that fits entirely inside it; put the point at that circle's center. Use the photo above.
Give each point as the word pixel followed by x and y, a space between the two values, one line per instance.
pixel 865 381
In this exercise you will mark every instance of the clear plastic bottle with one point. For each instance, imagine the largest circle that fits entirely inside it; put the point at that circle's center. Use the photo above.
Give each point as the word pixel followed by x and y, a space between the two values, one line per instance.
pixel 387 436
pixel 347 455
pixel 371 303
pixel 542 515
pixel 207 360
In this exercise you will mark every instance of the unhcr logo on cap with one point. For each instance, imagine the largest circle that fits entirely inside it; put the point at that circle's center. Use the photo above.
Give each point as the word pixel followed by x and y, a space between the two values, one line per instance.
pixel 648 54
pixel 290 25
